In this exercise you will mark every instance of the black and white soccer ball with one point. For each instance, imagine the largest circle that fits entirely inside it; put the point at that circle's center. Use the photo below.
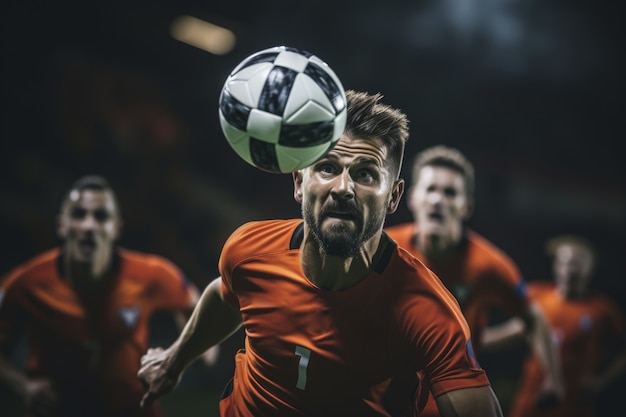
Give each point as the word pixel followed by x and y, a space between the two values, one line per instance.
pixel 282 109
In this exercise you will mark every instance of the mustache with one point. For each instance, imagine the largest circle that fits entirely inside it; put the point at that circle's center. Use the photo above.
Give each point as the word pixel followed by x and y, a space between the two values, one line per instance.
pixel 345 207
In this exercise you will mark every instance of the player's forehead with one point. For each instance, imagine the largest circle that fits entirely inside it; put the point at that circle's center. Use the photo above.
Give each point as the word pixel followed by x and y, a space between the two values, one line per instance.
pixel 90 199
pixel 440 175
pixel 567 252
pixel 371 150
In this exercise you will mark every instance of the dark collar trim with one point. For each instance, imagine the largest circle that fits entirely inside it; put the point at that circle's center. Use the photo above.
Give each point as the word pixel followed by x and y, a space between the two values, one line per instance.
pixel 385 257
pixel 297 237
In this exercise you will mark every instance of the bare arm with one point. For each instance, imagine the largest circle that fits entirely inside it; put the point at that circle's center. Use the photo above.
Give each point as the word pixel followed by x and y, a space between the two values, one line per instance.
pixel 544 347
pixel 534 330
pixel 210 356
pixel 36 393
pixel 503 335
pixel 610 373
pixel 469 402
pixel 212 321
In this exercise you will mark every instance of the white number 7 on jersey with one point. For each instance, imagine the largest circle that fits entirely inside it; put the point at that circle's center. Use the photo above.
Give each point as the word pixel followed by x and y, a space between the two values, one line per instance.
pixel 304 354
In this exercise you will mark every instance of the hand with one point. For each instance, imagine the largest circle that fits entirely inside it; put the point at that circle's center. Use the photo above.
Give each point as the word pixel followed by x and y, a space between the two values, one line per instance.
pixel 156 378
pixel 40 399
pixel 548 397
pixel 546 400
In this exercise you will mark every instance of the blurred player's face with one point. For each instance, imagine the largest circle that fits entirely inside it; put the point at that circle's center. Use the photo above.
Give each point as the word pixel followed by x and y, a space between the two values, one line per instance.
pixel 439 202
pixel 346 195
pixel 89 224
pixel 573 267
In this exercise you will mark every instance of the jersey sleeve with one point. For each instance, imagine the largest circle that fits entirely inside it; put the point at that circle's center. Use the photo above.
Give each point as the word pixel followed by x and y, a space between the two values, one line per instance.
pixel 616 323
pixel 504 286
pixel 170 290
pixel 226 264
pixel 441 335
pixel 10 311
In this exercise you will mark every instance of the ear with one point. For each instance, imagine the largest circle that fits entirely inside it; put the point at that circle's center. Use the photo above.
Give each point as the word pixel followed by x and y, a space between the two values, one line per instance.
pixel 409 198
pixel 396 195
pixel 119 225
pixel 469 209
pixel 297 186
pixel 61 227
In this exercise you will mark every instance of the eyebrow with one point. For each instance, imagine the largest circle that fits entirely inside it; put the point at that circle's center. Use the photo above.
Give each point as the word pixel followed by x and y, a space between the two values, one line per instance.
pixel 359 160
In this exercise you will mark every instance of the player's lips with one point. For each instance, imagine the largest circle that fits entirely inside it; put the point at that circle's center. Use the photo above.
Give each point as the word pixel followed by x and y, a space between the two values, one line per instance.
pixel 338 215
pixel 87 245
pixel 436 217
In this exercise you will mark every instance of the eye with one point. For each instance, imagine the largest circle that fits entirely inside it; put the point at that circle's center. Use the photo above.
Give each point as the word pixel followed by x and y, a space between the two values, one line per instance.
pixel 78 213
pixel 326 168
pixel 101 215
pixel 365 175
pixel 450 192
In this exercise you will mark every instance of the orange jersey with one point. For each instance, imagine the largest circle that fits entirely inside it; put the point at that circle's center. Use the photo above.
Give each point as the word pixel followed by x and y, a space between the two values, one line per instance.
pixel 587 331
pixel 481 277
pixel 312 352
pixel 90 347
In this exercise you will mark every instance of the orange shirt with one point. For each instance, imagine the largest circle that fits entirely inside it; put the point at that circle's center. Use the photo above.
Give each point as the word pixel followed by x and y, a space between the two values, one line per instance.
pixel 480 275
pixel 482 278
pixel 90 346
pixel 355 352
pixel 587 331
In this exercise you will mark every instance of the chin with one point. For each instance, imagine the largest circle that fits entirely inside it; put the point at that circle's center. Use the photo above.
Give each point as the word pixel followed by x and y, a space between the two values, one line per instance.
pixel 432 229
pixel 84 257
pixel 339 228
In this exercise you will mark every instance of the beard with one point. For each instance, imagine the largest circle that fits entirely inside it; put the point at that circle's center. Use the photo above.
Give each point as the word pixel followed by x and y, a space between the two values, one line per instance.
pixel 341 240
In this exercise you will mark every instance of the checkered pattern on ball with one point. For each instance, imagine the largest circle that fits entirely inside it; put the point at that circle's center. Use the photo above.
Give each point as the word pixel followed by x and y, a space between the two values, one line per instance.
pixel 282 109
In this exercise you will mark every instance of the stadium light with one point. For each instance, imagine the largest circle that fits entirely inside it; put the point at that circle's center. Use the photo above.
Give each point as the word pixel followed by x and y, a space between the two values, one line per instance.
pixel 203 35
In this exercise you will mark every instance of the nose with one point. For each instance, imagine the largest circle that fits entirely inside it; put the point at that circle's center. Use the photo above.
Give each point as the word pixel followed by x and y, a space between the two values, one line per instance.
pixel 343 186
pixel 434 197
pixel 89 222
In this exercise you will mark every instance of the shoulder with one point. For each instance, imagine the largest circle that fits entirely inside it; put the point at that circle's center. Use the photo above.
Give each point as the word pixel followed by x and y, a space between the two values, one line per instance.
pixel 493 260
pixel 401 233
pixel 427 313
pixel 256 240
pixel 142 264
pixel 40 267
pixel 607 304
pixel 260 237
pixel 412 279
pixel 539 288
pixel 405 262
pixel 265 228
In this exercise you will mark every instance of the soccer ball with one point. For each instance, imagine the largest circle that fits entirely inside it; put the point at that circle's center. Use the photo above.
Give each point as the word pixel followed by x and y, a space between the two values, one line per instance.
pixel 282 109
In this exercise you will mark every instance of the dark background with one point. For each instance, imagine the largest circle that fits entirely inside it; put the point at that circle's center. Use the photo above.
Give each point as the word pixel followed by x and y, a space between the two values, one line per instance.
pixel 531 91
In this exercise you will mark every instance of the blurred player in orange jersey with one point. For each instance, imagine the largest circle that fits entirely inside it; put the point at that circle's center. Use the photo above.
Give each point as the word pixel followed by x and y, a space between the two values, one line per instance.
pixel 480 275
pixel 339 320
pixel 589 328
pixel 85 309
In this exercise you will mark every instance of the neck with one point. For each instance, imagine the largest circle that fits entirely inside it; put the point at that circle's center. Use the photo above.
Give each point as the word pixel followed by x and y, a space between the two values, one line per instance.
pixel 87 274
pixel 436 247
pixel 334 273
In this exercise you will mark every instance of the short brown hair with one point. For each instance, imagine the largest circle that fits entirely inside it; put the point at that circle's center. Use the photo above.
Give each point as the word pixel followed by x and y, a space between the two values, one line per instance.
pixel 90 182
pixel 555 242
pixel 369 118
pixel 448 157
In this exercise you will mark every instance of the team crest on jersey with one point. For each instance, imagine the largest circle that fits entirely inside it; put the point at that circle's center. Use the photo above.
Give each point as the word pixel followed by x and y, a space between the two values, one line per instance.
pixel 129 316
